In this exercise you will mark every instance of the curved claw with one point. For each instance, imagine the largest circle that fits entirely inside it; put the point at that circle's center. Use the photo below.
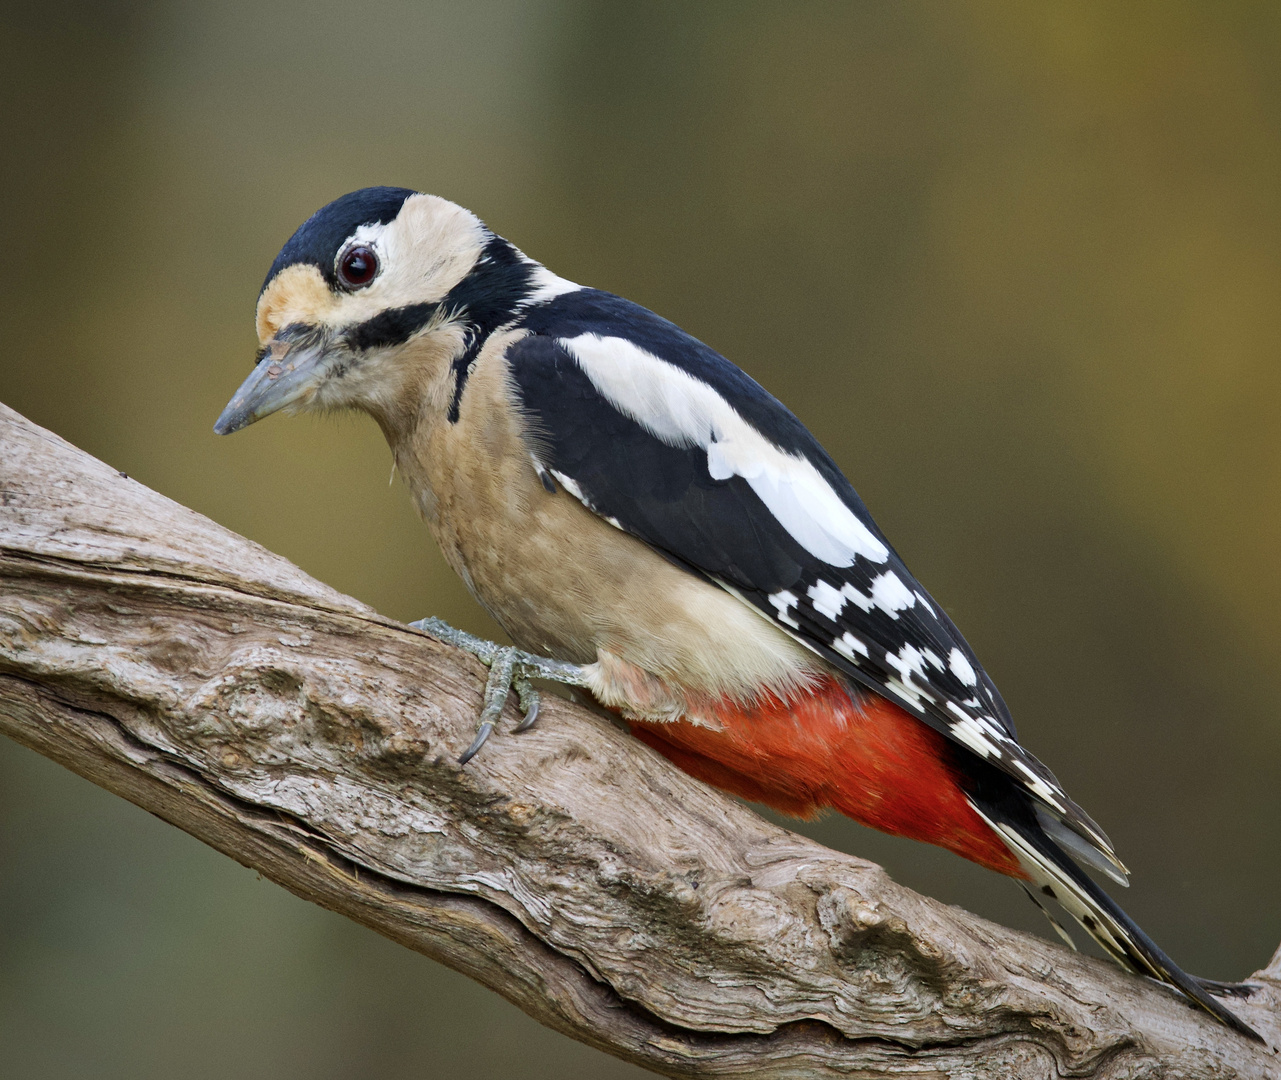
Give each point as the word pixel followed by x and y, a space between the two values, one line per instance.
pixel 531 713
pixel 486 729
pixel 497 686
pixel 509 669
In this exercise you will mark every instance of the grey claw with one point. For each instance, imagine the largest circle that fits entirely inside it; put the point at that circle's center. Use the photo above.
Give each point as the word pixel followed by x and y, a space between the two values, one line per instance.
pixel 496 689
pixel 486 729
pixel 531 714
pixel 509 669
pixel 529 701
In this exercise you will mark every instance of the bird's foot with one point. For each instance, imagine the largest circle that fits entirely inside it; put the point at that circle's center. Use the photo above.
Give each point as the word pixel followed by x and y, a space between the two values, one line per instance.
pixel 509 669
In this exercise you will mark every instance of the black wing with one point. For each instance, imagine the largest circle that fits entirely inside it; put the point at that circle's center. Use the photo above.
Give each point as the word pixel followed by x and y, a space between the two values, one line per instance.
pixel 629 434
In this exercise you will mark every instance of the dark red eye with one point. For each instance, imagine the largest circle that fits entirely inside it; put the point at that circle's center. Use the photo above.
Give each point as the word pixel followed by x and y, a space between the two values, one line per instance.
pixel 357 266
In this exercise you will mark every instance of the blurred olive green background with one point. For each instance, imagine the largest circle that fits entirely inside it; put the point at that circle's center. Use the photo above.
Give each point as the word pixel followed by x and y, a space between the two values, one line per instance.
pixel 1017 265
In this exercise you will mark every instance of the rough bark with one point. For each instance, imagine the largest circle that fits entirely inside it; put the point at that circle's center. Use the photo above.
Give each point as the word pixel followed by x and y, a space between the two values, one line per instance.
pixel 569 868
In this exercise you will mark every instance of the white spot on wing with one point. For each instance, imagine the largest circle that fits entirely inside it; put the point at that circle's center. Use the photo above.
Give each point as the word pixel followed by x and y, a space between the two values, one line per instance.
pixel 783 601
pixel 891 595
pixel 962 668
pixel 827 599
pixel 571 485
pixel 981 735
pixel 968 731
pixel 906 693
pixel 865 602
pixel 1043 790
pixel 850 646
pixel 684 411
pixel 909 661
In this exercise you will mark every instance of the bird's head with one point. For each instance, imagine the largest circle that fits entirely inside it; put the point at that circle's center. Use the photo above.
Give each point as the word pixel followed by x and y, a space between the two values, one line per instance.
pixel 370 304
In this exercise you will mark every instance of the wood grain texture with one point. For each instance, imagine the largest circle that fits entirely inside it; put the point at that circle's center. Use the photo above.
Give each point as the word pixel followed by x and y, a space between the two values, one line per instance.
pixel 569 868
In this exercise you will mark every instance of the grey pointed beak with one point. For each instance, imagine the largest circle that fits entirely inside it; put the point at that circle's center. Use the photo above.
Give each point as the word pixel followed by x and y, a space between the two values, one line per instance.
pixel 287 373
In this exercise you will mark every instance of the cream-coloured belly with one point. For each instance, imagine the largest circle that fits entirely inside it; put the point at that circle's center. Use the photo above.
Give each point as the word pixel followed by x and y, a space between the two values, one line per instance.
pixel 565 583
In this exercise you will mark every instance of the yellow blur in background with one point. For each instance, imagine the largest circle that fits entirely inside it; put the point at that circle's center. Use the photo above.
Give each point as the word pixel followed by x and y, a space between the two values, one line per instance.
pixel 1016 264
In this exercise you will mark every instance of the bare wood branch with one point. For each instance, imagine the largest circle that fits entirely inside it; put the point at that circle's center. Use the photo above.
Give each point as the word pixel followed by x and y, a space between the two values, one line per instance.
pixel 569 868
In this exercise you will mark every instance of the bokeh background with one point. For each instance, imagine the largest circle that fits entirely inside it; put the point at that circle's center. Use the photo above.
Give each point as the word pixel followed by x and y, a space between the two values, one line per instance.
pixel 1017 264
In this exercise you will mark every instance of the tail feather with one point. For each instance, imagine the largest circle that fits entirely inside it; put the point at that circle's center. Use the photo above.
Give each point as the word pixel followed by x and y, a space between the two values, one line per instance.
pixel 1059 928
pixel 1057 877
pixel 1102 859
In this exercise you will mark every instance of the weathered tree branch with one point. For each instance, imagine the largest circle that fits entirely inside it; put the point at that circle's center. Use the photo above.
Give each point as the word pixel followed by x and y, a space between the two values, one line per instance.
pixel 570 868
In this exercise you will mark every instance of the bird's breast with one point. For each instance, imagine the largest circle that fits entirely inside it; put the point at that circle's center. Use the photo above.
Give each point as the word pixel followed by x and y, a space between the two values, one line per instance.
pixel 565 583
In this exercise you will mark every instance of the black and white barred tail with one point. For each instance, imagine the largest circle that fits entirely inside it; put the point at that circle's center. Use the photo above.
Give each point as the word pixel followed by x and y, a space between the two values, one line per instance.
pixel 1056 876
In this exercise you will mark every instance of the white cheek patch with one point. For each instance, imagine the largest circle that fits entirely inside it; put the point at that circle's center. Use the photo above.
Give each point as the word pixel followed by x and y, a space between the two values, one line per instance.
pixel 428 248
pixel 684 411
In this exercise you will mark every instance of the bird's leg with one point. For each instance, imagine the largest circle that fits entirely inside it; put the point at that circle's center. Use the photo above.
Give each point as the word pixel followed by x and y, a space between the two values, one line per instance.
pixel 509 669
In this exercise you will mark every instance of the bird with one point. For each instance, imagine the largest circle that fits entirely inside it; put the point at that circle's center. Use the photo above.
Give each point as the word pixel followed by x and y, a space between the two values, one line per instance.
pixel 651 526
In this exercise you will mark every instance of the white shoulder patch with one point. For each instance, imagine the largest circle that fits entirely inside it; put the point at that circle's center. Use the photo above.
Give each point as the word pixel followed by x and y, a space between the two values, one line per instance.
pixel 684 411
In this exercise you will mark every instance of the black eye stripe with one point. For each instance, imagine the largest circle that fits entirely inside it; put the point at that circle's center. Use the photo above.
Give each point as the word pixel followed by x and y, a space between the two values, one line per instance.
pixel 394 326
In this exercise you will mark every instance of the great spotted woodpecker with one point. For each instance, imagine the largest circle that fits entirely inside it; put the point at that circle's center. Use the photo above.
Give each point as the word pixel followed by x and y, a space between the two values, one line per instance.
pixel 648 523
